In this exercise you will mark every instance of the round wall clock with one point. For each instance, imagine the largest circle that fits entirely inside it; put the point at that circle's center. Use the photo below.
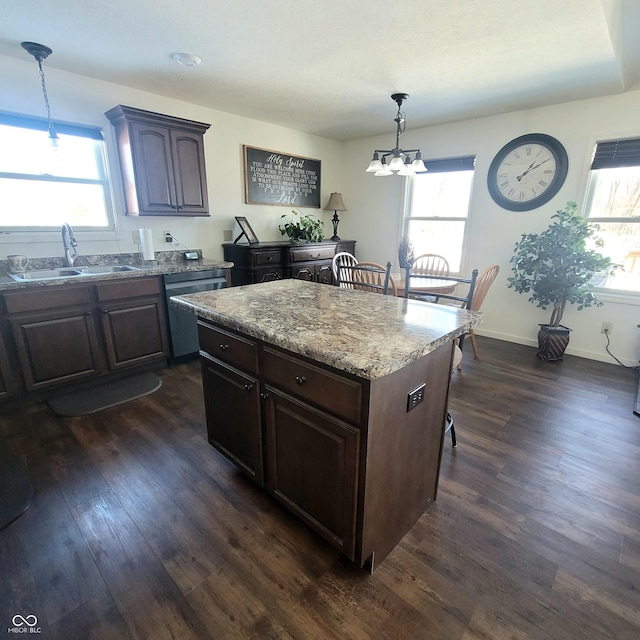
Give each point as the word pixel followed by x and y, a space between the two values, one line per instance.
pixel 527 172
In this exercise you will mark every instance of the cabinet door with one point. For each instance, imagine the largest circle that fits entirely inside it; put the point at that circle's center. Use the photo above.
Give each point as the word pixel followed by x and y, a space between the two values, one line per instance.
pixel 135 332
pixel 190 174
pixel 56 347
pixel 232 403
pixel 312 467
pixel 153 168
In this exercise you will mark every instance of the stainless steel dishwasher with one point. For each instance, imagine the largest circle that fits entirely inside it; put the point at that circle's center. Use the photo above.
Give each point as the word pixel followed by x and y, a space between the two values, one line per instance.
pixel 182 324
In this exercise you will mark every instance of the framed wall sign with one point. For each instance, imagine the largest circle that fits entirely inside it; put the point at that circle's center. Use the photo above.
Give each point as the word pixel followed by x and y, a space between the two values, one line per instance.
pixel 247 231
pixel 280 179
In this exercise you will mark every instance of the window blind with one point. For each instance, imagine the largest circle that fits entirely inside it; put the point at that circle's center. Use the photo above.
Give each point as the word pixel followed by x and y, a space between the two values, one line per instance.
pixel 39 124
pixel 462 163
pixel 616 153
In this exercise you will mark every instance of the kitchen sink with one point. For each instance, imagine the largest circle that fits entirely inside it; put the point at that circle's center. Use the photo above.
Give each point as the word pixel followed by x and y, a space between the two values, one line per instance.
pixel 71 272
pixel 101 268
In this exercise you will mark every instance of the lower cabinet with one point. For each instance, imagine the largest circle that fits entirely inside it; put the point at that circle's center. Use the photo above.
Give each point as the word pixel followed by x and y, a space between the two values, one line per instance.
pixel 343 453
pixel 312 464
pixel 232 402
pixel 133 321
pixel 68 333
pixel 8 385
pixel 55 336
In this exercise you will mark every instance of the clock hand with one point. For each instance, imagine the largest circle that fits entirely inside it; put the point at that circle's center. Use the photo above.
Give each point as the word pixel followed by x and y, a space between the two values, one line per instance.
pixel 522 175
pixel 532 166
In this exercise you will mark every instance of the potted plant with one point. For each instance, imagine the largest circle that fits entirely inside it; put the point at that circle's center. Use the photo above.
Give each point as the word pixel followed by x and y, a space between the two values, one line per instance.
pixel 302 227
pixel 555 267
pixel 406 253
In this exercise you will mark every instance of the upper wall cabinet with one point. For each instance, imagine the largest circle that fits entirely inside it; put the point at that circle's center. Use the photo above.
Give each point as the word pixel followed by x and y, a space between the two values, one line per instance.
pixel 162 163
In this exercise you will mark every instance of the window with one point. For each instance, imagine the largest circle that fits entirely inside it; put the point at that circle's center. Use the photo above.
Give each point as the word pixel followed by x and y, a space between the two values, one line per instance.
pixel 437 208
pixel 42 187
pixel 613 202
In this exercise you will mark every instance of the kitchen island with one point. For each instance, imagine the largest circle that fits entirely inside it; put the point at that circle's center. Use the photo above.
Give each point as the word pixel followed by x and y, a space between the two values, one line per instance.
pixel 333 400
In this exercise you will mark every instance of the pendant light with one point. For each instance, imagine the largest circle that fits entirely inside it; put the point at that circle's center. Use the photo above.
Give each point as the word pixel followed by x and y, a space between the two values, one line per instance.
pixel 40 53
pixel 400 159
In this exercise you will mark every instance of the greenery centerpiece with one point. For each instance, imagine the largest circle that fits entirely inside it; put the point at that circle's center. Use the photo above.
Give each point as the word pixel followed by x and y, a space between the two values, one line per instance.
pixel 302 227
pixel 556 267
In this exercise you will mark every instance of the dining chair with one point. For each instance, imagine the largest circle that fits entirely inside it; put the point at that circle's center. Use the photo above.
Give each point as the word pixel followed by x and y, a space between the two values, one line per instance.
pixel 342 258
pixel 483 283
pixel 450 426
pixel 413 289
pixel 392 285
pixel 431 263
pixel 374 279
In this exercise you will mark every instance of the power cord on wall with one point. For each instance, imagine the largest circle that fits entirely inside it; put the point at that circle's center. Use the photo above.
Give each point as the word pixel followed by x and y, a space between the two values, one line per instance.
pixel 626 366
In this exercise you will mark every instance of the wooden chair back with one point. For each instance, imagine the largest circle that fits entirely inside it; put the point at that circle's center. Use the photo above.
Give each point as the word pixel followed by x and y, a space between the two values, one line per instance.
pixel 431 263
pixel 374 279
pixel 341 259
pixel 483 283
pixel 392 285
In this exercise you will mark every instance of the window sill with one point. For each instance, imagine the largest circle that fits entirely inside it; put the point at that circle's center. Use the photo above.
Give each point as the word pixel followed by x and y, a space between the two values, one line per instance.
pixel 21 237
pixel 620 297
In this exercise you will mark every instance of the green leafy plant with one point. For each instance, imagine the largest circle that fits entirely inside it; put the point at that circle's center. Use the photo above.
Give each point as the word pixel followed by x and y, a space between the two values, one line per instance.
pixel 555 267
pixel 302 227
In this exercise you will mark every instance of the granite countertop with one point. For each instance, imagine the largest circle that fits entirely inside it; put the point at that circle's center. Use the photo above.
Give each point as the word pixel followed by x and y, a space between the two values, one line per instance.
pixel 366 334
pixel 166 262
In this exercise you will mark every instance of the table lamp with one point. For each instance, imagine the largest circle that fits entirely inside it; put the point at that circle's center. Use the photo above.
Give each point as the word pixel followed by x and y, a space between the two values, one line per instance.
pixel 335 204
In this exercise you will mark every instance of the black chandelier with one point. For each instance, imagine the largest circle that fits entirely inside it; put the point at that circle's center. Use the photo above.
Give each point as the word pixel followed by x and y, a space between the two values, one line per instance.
pixel 401 159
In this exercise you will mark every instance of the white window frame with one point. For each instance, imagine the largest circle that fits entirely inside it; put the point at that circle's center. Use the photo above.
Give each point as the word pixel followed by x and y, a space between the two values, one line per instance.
pixel 607 294
pixel 15 233
pixel 454 163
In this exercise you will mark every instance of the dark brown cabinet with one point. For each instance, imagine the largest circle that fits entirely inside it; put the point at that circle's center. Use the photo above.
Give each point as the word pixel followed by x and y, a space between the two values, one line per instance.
pixel 68 333
pixel 55 335
pixel 7 378
pixel 312 465
pixel 133 320
pixel 267 261
pixel 343 453
pixel 162 163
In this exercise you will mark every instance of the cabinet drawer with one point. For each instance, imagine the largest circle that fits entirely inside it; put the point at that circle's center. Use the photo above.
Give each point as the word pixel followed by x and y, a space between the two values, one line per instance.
pixel 128 288
pixel 306 254
pixel 229 347
pixel 334 393
pixel 260 258
pixel 52 297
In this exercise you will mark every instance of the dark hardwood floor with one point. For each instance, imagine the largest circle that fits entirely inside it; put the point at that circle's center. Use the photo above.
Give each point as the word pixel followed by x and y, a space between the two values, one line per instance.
pixel 139 529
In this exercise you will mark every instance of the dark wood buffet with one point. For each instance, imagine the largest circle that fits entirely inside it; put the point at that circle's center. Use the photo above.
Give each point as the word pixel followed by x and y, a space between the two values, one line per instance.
pixel 279 260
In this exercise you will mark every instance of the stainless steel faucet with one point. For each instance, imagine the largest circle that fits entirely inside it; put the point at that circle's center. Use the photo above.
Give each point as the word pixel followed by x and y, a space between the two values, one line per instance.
pixel 70 243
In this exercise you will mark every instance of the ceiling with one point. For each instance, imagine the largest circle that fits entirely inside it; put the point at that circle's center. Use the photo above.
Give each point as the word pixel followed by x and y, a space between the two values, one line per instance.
pixel 328 67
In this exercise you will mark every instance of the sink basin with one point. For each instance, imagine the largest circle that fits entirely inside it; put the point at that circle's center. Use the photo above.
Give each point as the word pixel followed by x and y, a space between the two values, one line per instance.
pixel 101 268
pixel 71 272
pixel 45 274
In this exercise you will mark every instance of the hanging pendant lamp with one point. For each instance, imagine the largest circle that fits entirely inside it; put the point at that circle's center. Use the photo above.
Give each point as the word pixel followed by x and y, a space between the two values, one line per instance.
pixel 40 52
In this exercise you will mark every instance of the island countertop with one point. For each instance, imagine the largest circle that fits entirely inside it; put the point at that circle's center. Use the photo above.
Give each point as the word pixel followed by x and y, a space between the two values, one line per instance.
pixel 365 334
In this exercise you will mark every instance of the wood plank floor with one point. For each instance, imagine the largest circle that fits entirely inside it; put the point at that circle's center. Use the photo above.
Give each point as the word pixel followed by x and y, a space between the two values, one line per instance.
pixel 139 529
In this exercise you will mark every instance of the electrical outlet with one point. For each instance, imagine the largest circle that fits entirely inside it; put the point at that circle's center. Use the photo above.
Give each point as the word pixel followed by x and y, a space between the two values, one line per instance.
pixel 168 237
pixel 415 397
pixel 607 327
pixel 135 235
pixel 227 235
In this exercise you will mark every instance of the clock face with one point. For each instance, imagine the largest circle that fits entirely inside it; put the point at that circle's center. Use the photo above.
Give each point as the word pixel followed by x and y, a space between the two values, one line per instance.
pixel 527 172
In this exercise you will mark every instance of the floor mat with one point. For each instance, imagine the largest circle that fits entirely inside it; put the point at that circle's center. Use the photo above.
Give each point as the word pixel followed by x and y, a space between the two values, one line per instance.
pixel 103 396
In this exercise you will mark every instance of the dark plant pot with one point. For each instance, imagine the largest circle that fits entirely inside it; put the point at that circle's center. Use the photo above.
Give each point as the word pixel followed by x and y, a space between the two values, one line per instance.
pixel 552 342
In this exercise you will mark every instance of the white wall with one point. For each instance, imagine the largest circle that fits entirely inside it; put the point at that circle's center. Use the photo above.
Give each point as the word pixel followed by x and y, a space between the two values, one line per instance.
pixel 375 212
pixel 84 100
pixel 374 204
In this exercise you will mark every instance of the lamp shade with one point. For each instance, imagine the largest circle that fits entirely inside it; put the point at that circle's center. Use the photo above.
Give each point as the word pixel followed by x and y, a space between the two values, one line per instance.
pixel 335 203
